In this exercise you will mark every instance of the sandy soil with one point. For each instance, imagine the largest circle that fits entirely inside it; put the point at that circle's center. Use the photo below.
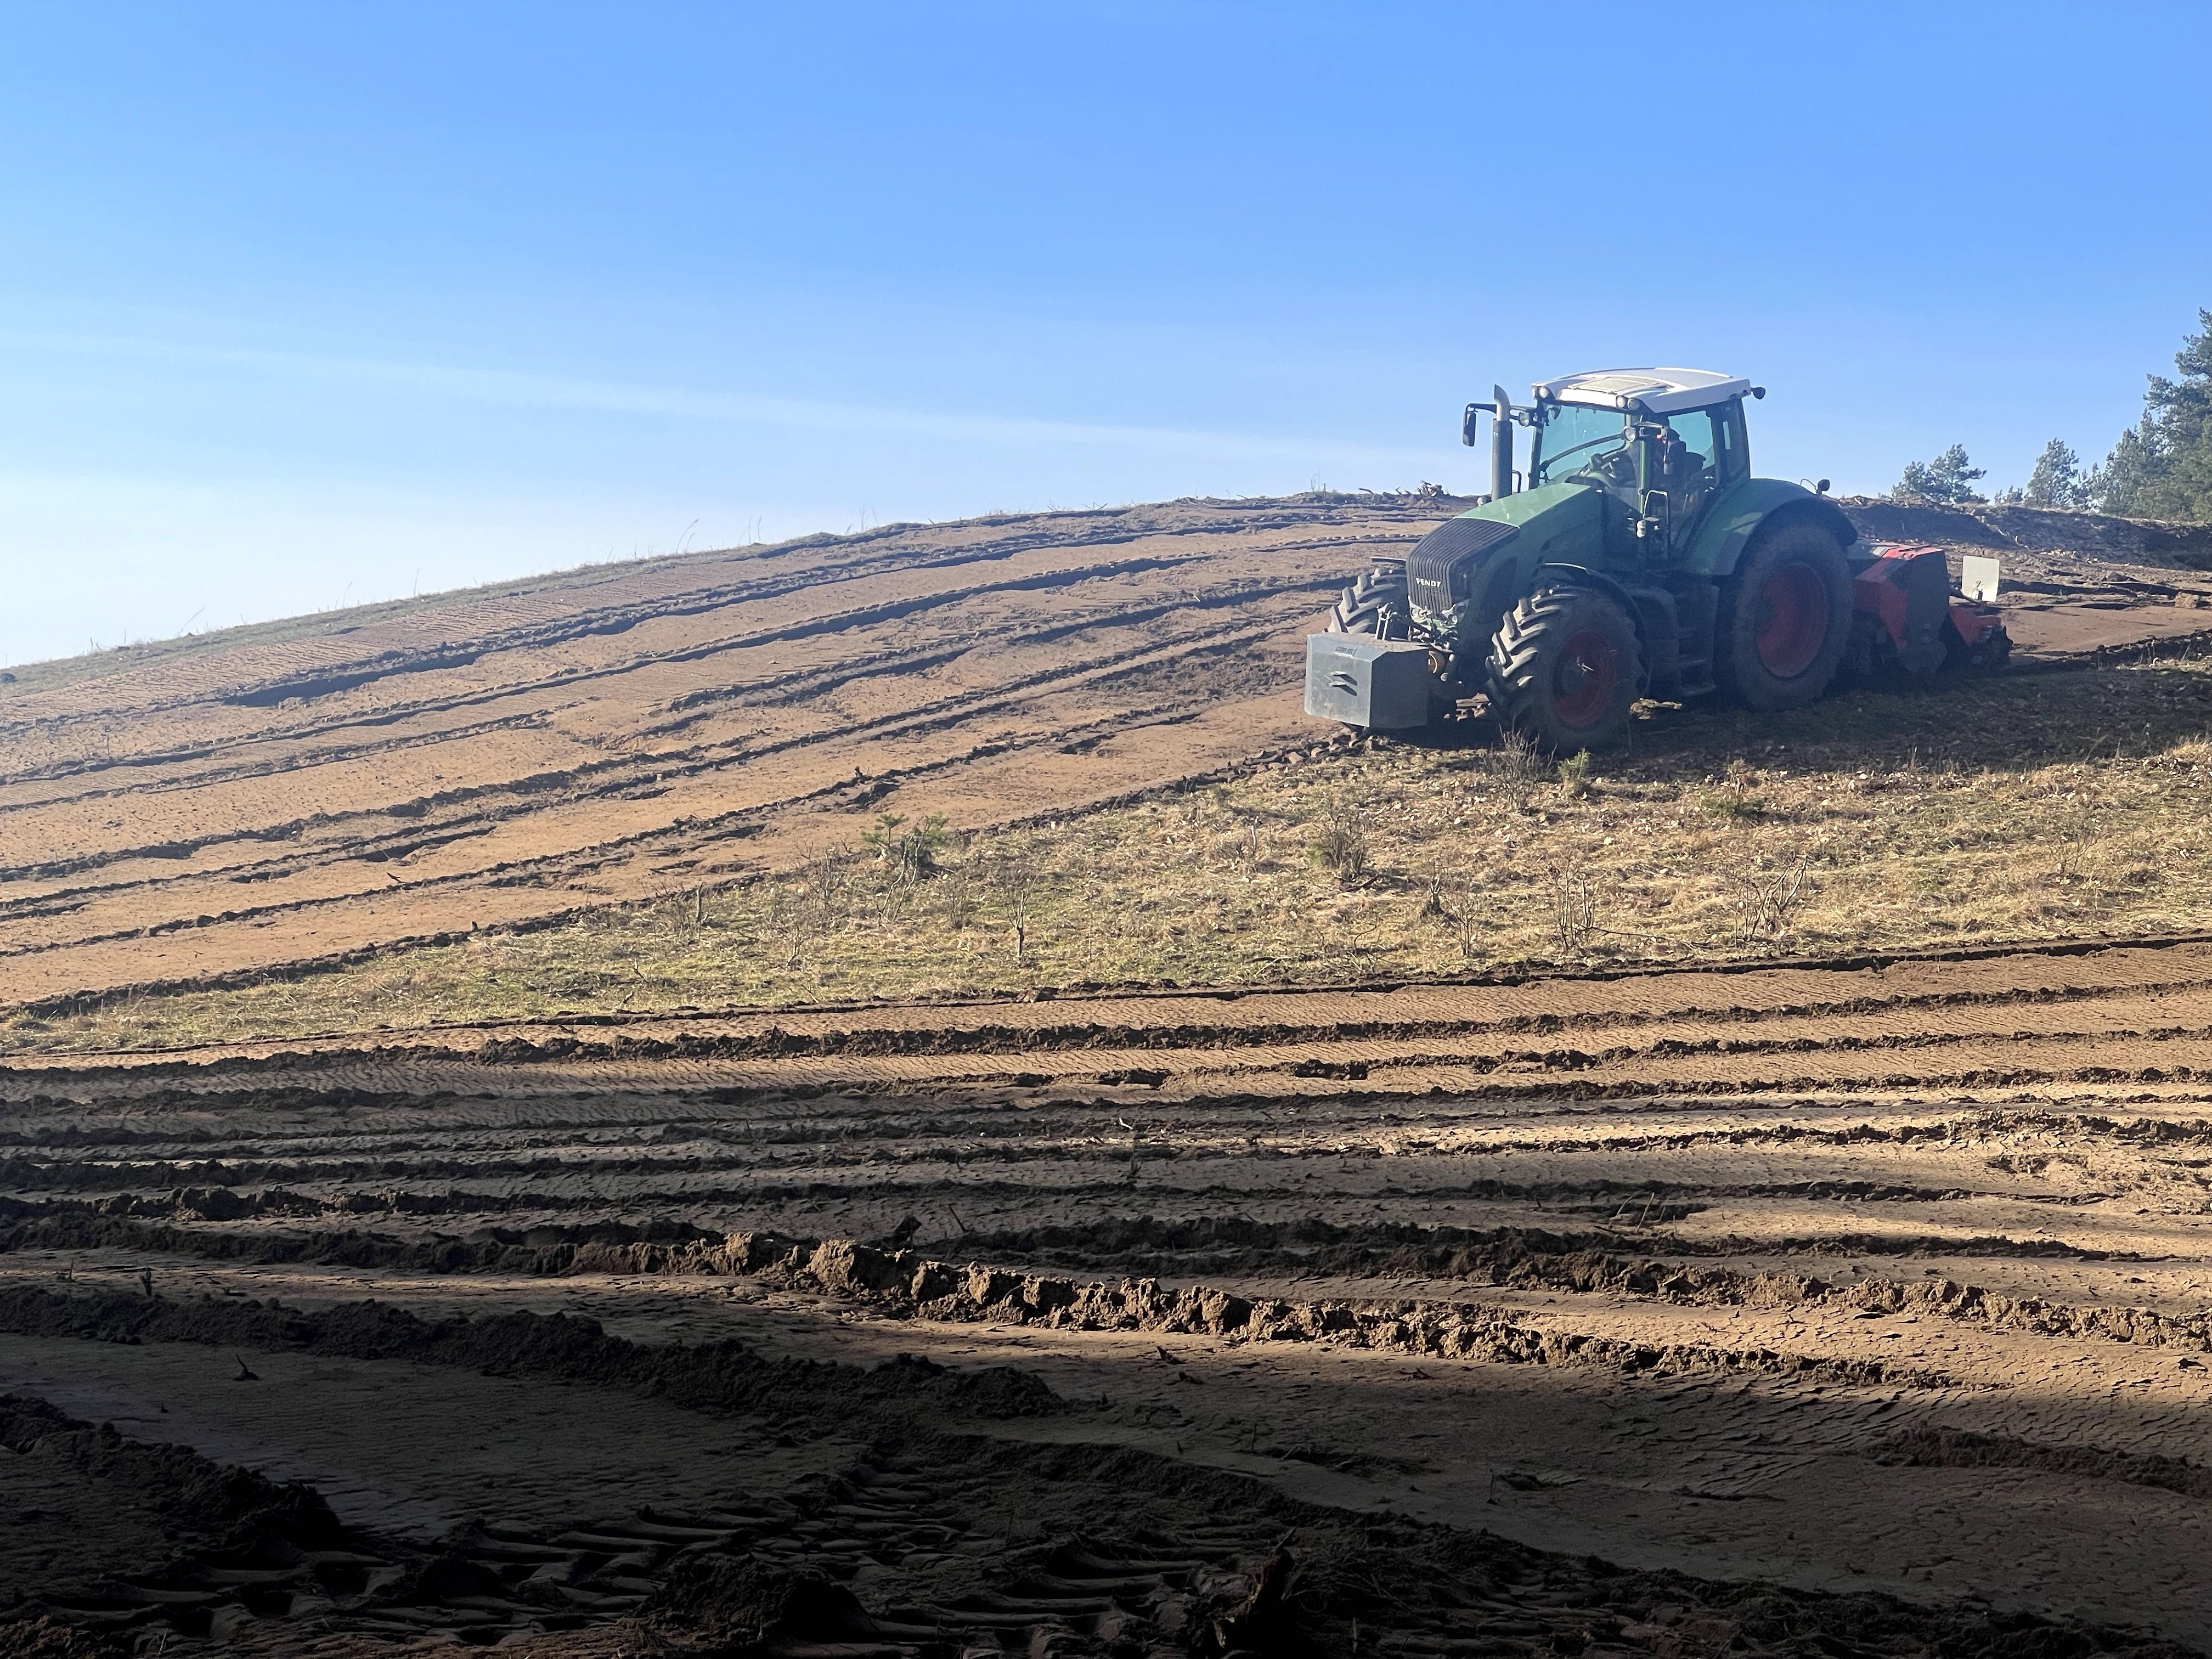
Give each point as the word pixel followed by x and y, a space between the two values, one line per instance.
pixel 1846 1278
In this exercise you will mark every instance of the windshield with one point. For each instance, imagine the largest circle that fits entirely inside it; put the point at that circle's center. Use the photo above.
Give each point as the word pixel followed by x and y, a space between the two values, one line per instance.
pixel 1572 438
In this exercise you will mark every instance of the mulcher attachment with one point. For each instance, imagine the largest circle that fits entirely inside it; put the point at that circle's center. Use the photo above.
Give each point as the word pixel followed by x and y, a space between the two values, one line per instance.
pixel 1910 620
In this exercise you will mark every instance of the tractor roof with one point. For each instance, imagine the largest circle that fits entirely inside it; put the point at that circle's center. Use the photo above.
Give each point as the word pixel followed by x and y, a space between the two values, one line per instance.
pixel 1661 391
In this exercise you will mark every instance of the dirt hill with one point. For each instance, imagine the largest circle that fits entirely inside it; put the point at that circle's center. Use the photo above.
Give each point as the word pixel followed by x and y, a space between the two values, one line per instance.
pixel 220 806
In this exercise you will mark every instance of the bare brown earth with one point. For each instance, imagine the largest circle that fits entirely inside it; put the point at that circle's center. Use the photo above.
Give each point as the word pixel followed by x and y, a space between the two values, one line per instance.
pixel 1852 1308
pixel 262 798
pixel 1873 1280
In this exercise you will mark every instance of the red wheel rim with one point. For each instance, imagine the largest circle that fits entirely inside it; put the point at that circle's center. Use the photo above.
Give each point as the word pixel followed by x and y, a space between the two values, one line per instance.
pixel 1793 620
pixel 1583 683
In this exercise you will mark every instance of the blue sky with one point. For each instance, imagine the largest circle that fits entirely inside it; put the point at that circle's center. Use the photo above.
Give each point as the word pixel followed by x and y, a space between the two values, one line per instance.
pixel 308 304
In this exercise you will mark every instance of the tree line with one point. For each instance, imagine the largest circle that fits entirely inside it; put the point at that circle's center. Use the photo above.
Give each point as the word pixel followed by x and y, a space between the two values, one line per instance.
pixel 2160 468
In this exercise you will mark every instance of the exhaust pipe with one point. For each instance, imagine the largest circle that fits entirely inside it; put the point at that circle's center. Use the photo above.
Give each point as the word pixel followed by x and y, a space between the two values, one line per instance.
pixel 1501 445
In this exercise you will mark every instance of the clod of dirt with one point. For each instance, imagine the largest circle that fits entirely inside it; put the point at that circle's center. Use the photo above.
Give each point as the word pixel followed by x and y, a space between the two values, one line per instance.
pixel 713 1376
pixel 1262 1622
pixel 907 1285
pixel 233 1507
pixel 739 1607
pixel 42 1637
pixel 1962 1449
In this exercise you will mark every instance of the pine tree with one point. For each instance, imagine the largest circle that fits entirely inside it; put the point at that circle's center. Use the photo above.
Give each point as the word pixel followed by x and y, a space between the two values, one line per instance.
pixel 2136 460
pixel 1949 478
pixel 2057 480
pixel 2161 468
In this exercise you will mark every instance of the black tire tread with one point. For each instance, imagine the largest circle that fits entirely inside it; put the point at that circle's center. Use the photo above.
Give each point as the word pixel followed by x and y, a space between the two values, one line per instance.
pixel 1366 606
pixel 1518 652
pixel 1742 680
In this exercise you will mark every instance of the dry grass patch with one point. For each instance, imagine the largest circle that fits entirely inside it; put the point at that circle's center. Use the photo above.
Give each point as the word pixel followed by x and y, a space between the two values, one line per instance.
pixel 2016 809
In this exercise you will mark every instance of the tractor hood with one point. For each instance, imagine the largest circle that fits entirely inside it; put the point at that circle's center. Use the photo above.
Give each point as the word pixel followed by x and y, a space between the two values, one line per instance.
pixel 1466 574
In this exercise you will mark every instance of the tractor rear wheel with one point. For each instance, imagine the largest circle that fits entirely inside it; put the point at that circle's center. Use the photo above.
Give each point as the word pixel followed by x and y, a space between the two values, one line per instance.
pixel 1565 666
pixel 1376 604
pixel 1785 617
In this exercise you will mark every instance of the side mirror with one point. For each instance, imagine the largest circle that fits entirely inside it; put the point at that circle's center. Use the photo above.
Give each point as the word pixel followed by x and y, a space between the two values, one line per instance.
pixel 1466 425
pixel 1821 487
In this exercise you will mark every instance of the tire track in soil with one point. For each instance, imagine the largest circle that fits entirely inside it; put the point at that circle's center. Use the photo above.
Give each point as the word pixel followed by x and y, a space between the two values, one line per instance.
pixel 269 1557
pixel 936 1541
pixel 1872 1253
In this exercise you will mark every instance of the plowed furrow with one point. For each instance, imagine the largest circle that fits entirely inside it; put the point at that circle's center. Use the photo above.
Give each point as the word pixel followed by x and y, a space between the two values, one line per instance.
pixel 346 674
pixel 765 692
pixel 1327 1068
pixel 1237 591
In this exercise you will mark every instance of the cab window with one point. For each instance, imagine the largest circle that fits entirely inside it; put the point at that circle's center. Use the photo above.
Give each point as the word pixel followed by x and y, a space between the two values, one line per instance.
pixel 1571 440
pixel 1728 425
pixel 1697 431
pixel 1687 452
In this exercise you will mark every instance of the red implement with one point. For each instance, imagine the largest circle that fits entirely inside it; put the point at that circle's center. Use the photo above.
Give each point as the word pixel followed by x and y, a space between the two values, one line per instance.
pixel 1910 617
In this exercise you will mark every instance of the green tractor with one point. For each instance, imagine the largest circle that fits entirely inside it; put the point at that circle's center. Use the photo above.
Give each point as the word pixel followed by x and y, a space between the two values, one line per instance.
pixel 1640 560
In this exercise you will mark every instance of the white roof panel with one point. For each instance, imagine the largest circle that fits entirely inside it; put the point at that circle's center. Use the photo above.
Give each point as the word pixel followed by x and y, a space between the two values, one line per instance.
pixel 1661 391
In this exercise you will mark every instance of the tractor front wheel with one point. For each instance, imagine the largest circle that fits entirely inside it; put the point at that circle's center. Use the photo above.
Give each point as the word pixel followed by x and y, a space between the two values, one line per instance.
pixel 1376 604
pixel 1785 617
pixel 1564 668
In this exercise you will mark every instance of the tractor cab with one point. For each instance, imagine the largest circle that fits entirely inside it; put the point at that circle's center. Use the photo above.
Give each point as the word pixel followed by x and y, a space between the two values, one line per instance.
pixel 1661 444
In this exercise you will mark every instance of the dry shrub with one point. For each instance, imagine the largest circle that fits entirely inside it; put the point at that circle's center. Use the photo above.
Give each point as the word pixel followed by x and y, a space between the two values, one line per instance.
pixel 959 896
pixel 827 879
pixel 682 913
pixel 1467 924
pixel 1458 904
pixel 1014 876
pixel 1517 765
pixel 1432 901
pixel 1767 901
pixel 1573 904
pixel 2073 857
pixel 1242 843
pixel 1341 846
